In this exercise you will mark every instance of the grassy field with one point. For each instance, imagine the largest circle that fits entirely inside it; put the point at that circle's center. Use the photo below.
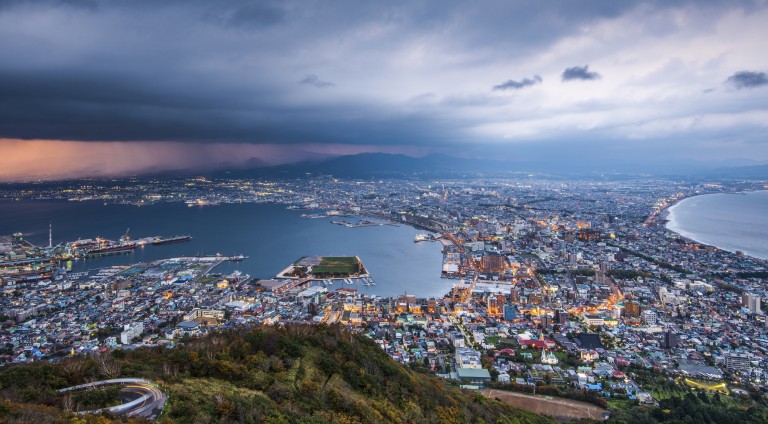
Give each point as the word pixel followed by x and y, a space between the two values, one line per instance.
pixel 206 280
pixel 340 265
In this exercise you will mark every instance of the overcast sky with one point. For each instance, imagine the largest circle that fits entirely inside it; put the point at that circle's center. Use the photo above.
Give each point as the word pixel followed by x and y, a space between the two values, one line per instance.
pixel 182 83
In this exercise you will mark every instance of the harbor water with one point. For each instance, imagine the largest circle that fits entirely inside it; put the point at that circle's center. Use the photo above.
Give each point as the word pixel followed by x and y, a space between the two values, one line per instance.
pixel 270 235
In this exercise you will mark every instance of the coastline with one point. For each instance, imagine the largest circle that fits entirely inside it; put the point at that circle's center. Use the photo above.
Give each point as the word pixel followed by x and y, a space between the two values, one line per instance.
pixel 665 219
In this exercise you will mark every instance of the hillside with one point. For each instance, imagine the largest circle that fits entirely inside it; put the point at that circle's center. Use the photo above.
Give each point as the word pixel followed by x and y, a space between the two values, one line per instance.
pixel 299 374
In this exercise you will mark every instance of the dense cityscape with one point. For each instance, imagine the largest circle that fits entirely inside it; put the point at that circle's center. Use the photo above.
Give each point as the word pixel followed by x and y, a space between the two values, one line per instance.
pixel 559 284
pixel 398 212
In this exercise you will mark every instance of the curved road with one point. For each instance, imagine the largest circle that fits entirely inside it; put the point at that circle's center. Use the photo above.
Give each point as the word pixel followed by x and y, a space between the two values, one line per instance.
pixel 141 397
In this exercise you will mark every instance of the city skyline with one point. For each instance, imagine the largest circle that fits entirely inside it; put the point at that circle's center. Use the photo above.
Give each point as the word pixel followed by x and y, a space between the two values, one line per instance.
pixel 193 85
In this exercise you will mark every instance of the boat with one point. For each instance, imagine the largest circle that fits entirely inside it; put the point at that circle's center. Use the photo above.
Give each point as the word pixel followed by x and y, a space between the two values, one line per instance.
pixel 85 243
pixel 175 239
pixel 113 248
pixel 423 237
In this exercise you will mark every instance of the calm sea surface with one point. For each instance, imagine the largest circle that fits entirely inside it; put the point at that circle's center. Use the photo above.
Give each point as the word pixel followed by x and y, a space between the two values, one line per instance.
pixel 728 221
pixel 272 236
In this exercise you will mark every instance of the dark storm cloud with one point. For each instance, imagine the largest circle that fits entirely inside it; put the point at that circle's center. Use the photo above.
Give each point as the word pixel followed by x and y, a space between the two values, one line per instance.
pixel 516 85
pixel 243 71
pixel 109 108
pixel 248 15
pixel 85 4
pixel 314 81
pixel 747 79
pixel 579 73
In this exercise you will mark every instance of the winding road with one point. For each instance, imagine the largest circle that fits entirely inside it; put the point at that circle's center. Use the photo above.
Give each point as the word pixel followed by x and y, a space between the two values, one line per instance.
pixel 141 398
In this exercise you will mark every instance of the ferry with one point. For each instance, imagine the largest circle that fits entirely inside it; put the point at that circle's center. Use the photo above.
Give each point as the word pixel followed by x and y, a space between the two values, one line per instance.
pixel 423 237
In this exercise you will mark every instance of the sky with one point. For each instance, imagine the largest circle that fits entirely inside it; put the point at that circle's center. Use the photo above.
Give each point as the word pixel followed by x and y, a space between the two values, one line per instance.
pixel 96 87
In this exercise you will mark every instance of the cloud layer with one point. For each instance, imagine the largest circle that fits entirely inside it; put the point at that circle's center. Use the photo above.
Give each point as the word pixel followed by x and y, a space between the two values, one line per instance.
pixel 683 77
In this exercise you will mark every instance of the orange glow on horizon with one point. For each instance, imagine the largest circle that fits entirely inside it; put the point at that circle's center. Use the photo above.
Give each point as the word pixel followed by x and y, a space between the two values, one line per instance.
pixel 57 159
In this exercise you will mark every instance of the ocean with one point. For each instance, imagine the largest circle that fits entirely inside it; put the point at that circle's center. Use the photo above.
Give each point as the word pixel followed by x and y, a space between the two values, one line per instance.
pixel 732 222
pixel 271 235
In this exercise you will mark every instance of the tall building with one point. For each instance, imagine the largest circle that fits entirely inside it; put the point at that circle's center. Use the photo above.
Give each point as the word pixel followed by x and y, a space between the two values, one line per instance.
pixel 670 340
pixel 546 321
pixel 493 262
pixel 510 312
pixel 561 316
pixel 752 302
pixel 495 305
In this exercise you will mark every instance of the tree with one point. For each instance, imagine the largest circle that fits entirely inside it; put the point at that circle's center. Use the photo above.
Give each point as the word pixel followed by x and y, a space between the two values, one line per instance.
pixel 107 366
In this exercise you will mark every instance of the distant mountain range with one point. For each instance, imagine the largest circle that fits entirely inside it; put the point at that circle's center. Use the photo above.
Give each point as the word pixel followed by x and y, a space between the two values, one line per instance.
pixel 371 165
pixel 385 165
pixel 754 171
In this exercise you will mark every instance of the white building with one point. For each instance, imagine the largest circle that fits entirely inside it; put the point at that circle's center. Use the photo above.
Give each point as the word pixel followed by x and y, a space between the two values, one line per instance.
pixel 649 317
pixel 468 358
pixel 131 331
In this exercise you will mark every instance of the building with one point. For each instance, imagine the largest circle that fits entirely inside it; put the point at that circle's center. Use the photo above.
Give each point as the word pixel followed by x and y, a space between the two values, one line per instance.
pixel 207 315
pixel 548 357
pixel 738 362
pixel 473 376
pixel 493 263
pixel 670 340
pixel 546 321
pixel 632 309
pixel 313 295
pixel 649 317
pixel 190 328
pixel 561 316
pixel 468 358
pixel 274 286
pixel 495 305
pixel 594 319
pixel 131 331
pixel 752 302
pixel 510 312
pixel 589 341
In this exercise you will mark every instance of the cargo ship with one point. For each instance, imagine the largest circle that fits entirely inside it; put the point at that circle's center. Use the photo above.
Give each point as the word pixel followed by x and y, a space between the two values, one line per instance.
pixel 176 239
pixel 113 248
pixel 85 243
